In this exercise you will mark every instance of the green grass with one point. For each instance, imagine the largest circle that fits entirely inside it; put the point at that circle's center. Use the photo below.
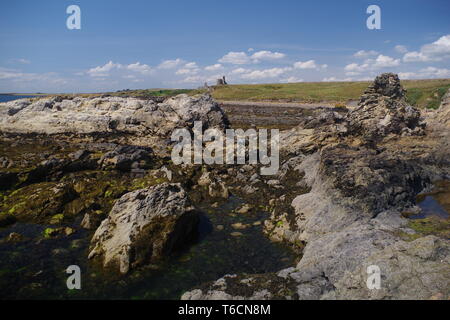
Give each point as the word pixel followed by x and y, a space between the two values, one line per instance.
pixel 421 93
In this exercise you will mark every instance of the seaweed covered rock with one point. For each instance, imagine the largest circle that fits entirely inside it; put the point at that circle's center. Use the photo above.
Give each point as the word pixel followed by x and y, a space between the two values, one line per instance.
pixel 125 158
pixel 144 226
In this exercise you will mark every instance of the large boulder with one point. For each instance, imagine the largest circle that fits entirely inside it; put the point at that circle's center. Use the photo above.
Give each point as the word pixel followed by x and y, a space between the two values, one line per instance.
pixel 144 226
pixel 134 121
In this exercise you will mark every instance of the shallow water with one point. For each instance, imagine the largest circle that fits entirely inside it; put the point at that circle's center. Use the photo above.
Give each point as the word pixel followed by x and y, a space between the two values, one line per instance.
pixel 435 203
pixel 37 271
pixel 7 97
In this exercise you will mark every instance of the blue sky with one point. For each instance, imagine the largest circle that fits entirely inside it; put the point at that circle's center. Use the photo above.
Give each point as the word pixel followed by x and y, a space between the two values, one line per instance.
pixel 182 44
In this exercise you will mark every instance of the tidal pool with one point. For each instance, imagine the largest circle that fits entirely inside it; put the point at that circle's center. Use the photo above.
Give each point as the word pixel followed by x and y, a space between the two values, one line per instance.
pixel 35 268
pixel 435 203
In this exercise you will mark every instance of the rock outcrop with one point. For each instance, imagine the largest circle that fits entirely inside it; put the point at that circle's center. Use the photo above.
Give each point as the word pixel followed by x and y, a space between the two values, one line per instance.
pixel 382 110
pixel 139 122
pixel 363 169
pixel 144 226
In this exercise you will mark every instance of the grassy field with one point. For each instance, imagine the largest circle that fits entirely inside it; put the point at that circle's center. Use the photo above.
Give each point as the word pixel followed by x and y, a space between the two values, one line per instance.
pixel 422 93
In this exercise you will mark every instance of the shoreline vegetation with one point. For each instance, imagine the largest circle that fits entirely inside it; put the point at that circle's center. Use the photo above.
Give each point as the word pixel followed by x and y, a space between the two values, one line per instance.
pixel 425 93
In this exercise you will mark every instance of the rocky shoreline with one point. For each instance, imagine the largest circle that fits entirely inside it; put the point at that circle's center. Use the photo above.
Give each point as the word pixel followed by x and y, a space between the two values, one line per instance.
pixel 339 200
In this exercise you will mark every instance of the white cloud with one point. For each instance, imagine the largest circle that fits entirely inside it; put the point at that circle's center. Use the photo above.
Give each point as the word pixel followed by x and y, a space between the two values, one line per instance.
pixel 400 48
pixel 191 65
pixel 365 54
pixel 235 58
pixel 106 69
pixel 415 56
pixel 242 57
pixel 291 80
pixel 380 62
pixel 334 79
pixel 18 77
pixel 21 61
pixel 265 74
pixel 310 64
pixel 185 71
pixel 102 71
pixel 240 71
pixel 138 67
pixel 385 62
pixel 356 68
pixel 214 67
pixel 170 64
pixel 267 55
pixel 435 72
pixel 436 51
pixel 189 68
pixel 407 75
pixel 428 72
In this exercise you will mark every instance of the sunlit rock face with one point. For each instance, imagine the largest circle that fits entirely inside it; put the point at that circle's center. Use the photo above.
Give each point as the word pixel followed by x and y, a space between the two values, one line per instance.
pixel 144 226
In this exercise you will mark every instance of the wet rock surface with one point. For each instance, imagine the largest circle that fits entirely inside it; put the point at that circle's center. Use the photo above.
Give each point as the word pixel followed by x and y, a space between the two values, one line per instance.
pixel 144 226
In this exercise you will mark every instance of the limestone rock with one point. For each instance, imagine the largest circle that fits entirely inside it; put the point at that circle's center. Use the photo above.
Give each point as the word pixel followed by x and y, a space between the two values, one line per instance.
pixel 142 122
pixel 144 226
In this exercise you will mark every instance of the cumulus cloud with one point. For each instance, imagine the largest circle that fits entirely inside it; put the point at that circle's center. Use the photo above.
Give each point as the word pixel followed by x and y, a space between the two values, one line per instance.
pixel 235 58
pixel 400 48
pixel 31 80
pixel 380 62
pixel 292 80
pixel 365 54
pixel 436 51
pixel 214 67
pixel 428 72
pixel 239 71
pixel 385 62
pixel 334 79
pixel 138 67
pixel 104 71
pixel 310 64
pixel 265 73
pixel 188 68
pixel 435 72
pixel 267 55
pixel 243 58
pixel 170 64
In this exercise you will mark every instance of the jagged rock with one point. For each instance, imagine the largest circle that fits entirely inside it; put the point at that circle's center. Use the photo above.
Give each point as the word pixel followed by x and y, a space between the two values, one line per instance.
pixel 362 170
pixel 410 270
pixel 144 226
pixel 382 110
pixel 125 158
pixel 216 187
pixel 142 122
pixel 91 221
